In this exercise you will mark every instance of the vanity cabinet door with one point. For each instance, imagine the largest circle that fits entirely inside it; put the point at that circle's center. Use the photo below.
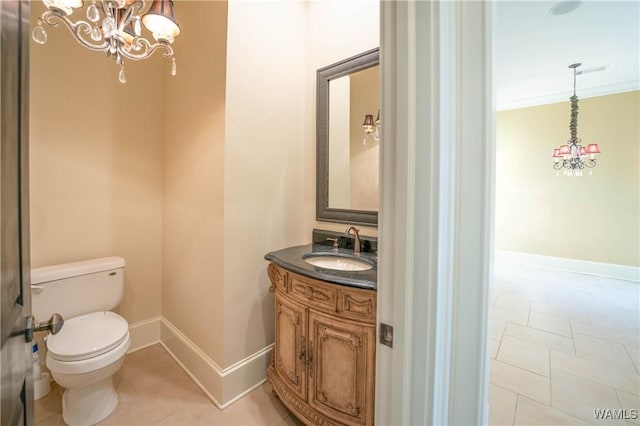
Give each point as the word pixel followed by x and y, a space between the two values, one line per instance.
pixel 341 369
pixel 290 341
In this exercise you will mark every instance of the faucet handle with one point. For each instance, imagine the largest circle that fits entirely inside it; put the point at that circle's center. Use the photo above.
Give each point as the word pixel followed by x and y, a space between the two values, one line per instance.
pixel 335 243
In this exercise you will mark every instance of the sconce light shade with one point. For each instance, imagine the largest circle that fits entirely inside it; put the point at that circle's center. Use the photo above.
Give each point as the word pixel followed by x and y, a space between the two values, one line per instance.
pixel 368 120
pixel 565 150
pixel 556 153
pixel 593 148
pixel 161 21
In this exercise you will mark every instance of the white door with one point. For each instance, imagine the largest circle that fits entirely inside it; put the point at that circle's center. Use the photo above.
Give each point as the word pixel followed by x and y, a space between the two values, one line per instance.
pixel 15 299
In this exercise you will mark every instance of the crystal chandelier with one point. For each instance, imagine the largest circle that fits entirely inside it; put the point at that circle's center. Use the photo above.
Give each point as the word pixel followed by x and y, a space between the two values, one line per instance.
pixel 115 27
pixel 573 156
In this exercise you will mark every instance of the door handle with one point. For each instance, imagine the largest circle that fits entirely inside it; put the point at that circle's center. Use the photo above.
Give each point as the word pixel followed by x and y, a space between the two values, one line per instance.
pixel 54 325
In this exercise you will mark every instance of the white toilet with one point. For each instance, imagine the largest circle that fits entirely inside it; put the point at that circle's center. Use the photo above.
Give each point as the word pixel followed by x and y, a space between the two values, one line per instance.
pixel 91 346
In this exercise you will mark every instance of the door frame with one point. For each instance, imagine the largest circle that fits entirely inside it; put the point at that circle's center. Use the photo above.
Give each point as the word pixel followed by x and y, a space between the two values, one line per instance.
pixel 436 217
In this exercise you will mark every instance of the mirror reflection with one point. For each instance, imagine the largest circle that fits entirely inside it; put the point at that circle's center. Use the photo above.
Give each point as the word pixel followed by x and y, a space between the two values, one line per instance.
pixel 354 125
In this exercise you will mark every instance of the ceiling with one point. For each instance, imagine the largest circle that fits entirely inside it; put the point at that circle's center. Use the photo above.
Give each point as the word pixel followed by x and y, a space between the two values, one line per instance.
pixel 534 48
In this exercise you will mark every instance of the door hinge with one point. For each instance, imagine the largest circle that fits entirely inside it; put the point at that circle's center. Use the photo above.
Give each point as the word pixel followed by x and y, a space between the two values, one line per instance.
pixel 386 334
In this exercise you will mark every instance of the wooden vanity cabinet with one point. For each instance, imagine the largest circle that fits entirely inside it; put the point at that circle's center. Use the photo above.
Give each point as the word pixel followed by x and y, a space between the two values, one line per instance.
pixel 323 364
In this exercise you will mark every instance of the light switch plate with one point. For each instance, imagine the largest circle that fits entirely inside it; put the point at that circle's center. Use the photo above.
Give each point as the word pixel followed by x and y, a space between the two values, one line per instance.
pixel 386 334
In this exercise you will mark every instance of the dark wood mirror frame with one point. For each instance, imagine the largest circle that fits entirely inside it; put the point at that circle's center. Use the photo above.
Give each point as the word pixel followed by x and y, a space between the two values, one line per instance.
pixel 324 76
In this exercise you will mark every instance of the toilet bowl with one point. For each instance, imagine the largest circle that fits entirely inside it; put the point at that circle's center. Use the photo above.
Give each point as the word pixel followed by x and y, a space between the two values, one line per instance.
pixel 83 356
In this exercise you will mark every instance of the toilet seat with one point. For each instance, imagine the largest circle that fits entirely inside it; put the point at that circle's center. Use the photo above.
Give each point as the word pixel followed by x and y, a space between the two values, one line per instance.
pixel 90 342
pixel 88 336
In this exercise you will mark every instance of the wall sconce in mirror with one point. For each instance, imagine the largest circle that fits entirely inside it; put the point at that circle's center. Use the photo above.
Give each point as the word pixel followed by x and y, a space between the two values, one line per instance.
pixel 371 128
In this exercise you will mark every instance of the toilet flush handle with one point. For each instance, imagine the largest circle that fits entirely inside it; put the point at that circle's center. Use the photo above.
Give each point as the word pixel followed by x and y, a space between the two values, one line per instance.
pixel 54 325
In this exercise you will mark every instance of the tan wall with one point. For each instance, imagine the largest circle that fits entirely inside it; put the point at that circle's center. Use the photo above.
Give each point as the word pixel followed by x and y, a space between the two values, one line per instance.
pixel 96 164
pixel 591 218
pixel 193 234
pixel 266 201
pixel 365 99
pixel 336 30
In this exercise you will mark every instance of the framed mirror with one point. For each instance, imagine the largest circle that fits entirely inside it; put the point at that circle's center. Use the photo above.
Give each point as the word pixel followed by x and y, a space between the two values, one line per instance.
pixel 347 140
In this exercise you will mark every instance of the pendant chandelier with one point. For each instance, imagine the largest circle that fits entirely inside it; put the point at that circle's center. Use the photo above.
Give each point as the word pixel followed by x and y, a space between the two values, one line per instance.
pixel 573 156
pixel 115 27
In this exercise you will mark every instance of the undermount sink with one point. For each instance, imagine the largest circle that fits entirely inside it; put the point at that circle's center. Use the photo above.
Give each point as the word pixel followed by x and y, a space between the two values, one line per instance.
pixel 338 262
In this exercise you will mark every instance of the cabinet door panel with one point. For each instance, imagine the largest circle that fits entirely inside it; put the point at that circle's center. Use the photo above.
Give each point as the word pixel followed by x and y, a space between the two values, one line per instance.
pixel 289 354
pixel 341 372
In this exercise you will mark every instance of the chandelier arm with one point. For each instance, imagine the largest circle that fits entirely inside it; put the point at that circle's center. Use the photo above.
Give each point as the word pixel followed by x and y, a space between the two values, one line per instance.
pixel 76 29
pixel 147 50
pixel 125 19
pixel 590 163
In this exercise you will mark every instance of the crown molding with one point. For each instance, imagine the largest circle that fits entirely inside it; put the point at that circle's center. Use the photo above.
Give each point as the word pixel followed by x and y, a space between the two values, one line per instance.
pixel 550 98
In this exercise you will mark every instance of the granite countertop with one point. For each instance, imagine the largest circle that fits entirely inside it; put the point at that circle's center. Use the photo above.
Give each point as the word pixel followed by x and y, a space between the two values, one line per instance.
pixel 291 259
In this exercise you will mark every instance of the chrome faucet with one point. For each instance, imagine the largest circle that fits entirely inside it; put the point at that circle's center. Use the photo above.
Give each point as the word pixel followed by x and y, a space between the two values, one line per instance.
pixel 356 245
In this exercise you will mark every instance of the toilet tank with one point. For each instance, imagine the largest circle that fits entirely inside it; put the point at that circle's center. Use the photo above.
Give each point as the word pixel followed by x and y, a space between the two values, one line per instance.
pixel 77 288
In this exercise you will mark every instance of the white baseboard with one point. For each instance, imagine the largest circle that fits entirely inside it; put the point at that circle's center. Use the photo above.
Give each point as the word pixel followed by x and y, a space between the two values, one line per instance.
pixel 144 333
pixel 223 386
pixel 609 270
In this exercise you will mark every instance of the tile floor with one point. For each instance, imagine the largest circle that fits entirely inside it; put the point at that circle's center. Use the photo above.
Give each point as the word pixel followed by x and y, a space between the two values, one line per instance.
pixel 562 345
pixel 154 390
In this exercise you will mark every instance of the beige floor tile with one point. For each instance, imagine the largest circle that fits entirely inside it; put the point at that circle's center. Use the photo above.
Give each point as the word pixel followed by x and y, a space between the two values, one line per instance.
pixel 523 354
pixel 540 337
pixel 574 314
pixel 292 420
pixel 621 319
pixel 494 346
pixel 630 403
pixel 154 404
pixel 259 407
pixel 145 354
pixel 611 334
pixel 151 371
pixel 597 371
pixel 520 381
pixel 530 412
pixel 497 328
pixel 52 420
pixel 519 317
pixel 513 303
pixel 579 397
pixel 602 350
pixel 50 404
pixel 502 405
pixel 634 354
pixel 550 323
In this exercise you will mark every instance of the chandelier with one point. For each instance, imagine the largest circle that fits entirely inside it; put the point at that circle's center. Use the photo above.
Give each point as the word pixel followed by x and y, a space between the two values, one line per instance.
pixel 115 27
pixel 573 156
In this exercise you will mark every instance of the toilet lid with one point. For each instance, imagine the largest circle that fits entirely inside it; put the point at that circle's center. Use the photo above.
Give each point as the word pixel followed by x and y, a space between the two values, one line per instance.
pixel 88 336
